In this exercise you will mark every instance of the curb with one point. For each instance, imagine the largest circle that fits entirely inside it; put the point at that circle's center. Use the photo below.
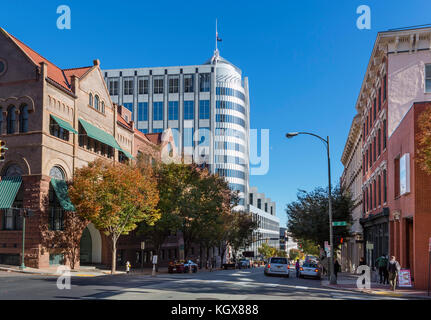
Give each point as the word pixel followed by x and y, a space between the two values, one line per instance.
pixel 373 292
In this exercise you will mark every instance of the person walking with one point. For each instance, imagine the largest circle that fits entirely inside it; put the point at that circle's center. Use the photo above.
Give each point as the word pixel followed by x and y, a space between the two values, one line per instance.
pixel 297 267
pixel 393 269
pixel 337 268
pixel 127 267
pixel 382 264
pixel 386 273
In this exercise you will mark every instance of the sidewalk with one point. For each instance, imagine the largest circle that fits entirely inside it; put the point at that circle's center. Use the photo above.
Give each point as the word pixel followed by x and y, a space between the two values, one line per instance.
pixel 347 281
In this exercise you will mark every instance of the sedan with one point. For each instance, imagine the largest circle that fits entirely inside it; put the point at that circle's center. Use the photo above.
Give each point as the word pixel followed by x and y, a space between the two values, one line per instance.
pixel 310 270
pixel 192 265
pixel 277 266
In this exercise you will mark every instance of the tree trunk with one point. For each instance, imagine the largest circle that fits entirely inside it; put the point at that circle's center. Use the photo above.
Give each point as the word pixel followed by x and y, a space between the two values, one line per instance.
pixel 114 255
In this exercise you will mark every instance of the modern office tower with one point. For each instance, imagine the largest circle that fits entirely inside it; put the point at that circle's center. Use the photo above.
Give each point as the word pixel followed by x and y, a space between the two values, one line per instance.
pixel 206 106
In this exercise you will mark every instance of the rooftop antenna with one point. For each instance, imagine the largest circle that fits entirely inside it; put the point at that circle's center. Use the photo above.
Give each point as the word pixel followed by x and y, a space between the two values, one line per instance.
pixel 216 52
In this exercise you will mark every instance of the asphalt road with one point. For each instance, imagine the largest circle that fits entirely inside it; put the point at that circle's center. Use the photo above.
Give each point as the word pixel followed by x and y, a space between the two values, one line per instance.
pixel 218 285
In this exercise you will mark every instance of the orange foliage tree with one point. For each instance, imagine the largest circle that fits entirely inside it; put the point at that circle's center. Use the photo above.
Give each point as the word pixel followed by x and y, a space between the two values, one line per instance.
pixel 115 198
pixel 424 141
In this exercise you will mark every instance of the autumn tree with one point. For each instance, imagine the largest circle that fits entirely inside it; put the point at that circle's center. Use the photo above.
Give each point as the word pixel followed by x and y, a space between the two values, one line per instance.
pixel 115 198
pixel 424 141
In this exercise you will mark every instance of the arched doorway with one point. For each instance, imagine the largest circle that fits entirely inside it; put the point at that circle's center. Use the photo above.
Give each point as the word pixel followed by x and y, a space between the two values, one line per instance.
pixel 91 246
pixel 86 249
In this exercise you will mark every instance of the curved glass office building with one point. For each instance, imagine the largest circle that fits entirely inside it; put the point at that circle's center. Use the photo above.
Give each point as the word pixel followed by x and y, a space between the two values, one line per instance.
pixel 206 106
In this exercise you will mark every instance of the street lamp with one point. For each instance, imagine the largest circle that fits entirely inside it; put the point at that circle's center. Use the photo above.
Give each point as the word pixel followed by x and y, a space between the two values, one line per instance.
pixel 332 279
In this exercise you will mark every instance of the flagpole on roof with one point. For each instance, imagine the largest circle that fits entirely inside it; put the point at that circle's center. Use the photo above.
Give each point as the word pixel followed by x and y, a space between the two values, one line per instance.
pixel 216 37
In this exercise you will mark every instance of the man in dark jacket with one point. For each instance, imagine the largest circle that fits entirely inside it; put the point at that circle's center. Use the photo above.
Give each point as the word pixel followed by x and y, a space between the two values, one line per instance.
pixel 382 264
pixel 393 269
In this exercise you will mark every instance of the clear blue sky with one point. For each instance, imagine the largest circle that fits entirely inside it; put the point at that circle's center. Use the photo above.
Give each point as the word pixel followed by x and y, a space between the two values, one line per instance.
pixel 305 61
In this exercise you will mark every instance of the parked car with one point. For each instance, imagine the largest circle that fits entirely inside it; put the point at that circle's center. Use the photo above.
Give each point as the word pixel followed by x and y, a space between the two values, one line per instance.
pixel 176 266
pixel 310 269
pixel 277 266
pixel 192 265
pixel 244 263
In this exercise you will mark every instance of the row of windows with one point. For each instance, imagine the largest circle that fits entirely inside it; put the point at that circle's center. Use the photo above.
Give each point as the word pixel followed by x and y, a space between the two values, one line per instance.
pixel 230 173
pixel 230 133
pixel 224 145
pixel 11 125
pixel 371 117
pixel 204 110
pixel 373 195
pixel 96 104
pixel 230 105
pixel 230 92
pixel 158 84
pixel 237 187
pixel 231 119
pixel 230 159
pixel 378 144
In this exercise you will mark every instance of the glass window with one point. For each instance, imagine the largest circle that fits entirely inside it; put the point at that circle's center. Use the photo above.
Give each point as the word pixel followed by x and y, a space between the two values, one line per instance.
pixel 204 109
pixel 90 99
pixel 57 131
pixel 113 86
pixel 173 84
pixel 189 107
pixel 173 110
pixel 158 85
pixel 143 111
pixel 56 212
pixel 188 137
pixel 157 111
pixel 204 82
pixel 96 102
pixel 428 78
pixel 188 83
pixel 11 119
pixel 23 119
pixel 143 85
pixel 128 86
pixel 157 130
pixel 204 137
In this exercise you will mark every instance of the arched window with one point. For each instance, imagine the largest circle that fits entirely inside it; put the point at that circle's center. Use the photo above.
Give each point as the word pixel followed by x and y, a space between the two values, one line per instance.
pixel 23 119
pixel 103 106
pixel 11 218
pixel 11 118
pixel 96 102
pixel 90 100
pixel 56 212
pixel 13 170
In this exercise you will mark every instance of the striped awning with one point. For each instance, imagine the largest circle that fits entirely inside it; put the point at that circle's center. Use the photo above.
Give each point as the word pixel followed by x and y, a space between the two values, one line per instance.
pixel 61 191
pixel 99 134
pixel 9 187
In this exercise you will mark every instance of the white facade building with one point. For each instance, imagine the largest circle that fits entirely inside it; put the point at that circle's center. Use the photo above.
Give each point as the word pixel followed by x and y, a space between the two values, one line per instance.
pixel 206 106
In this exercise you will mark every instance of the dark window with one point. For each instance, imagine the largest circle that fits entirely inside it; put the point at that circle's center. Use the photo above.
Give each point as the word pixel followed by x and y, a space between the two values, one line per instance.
pixel 204 82
pixel 57 131
pixel 385 79
pixel 397 177
pixel 384 134
pixel 379 139
pixel 384 187
pixel 128 86
pixel 188 83
pixel 380 98
pixel 374 110
pixel 380 190
pixel 158 85
pixel 374 149
pixel 11 119
pixel 173 84
pixel 56 212
pixel 259 203
pixel 143 85
pixel 23 119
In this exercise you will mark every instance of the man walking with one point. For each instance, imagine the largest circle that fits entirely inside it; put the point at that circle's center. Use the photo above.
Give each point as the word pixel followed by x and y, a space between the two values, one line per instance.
pixel 382 264
pixel 297 266
pixel 393 269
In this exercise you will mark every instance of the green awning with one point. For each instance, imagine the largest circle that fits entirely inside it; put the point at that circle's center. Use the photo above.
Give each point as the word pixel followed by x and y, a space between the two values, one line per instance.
pixel 99 135
pixel 127 154
pixel 61 191
pixel 64 124
pixel 9 187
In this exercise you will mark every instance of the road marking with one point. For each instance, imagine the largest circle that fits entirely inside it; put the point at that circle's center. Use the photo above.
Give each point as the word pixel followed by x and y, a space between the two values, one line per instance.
pixel 301 287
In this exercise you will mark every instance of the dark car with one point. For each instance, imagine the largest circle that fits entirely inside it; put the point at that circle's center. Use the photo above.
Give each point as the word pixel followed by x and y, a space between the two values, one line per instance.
pixel 244 263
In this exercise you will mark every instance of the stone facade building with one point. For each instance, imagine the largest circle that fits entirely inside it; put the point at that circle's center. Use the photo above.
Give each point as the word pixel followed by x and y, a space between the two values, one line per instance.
pixel 53 121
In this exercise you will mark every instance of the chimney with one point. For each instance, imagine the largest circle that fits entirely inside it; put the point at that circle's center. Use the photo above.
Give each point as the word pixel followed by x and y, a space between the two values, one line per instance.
pixel 74 83
pixel 96 62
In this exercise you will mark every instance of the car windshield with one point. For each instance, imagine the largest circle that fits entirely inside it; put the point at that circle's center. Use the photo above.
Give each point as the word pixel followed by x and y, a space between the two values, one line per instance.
pixel 310 265
pixel 279 260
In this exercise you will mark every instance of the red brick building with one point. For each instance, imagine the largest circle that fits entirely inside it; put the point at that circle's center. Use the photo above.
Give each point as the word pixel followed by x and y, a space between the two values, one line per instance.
pixel 409 198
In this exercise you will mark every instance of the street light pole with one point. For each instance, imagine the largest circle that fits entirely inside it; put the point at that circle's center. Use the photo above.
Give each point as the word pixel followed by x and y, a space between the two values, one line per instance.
pixel 332 278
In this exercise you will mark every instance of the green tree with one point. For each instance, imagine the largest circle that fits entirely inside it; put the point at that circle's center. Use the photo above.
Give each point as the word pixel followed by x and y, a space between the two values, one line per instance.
pixel 308 216
pixel 115 198
pixel 267 251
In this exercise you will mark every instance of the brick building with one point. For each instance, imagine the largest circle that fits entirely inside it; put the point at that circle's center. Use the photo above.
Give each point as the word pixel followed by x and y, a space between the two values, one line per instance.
pixel 53 121
pixel 396 87
pixel 409 198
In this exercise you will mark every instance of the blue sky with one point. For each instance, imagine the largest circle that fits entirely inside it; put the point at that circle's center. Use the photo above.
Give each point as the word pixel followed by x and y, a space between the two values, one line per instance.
pixel 305 61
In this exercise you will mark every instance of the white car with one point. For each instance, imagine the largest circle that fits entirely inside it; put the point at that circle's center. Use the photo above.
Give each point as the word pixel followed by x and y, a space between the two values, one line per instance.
pixel 310 269
pixel 277 266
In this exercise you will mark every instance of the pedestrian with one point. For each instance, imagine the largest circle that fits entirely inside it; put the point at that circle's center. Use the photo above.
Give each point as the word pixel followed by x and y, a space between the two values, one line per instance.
pixel 337 268
pixel 127 267
pixel 382 264
pixel 386 273
pixel 297 267
pixel 393 269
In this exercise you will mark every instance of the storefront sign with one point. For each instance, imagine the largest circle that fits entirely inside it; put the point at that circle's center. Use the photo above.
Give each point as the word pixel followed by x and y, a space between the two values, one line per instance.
pixel 404 278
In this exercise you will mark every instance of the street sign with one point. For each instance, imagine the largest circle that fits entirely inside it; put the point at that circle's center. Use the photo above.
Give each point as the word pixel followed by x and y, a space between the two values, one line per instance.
pixel 154 259
pixel 370 246
pixel 143 245
pixel 339 223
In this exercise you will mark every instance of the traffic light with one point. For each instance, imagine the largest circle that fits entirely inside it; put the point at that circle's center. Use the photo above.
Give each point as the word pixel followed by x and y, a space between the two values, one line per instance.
pixel 2 150
pixel 341 240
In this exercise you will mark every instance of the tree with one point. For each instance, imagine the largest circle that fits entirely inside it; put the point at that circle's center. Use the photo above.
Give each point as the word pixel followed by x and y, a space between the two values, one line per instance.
pixel 424 141
pixel 294 254
pixel 267 251
pixel 308 216
pixel 115 198
pixel 309 247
